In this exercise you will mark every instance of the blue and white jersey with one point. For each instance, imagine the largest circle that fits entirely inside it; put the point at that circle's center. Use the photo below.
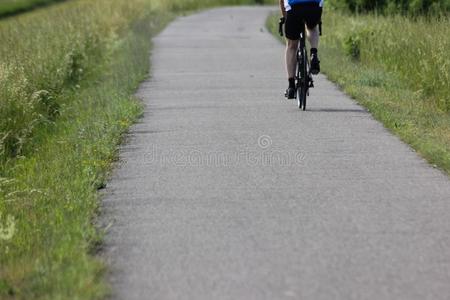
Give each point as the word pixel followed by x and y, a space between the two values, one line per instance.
pixel 288 3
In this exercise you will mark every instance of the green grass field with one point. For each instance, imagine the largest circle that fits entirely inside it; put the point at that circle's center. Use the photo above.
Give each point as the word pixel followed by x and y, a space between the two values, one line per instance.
pixel 399 69
pixel 67 78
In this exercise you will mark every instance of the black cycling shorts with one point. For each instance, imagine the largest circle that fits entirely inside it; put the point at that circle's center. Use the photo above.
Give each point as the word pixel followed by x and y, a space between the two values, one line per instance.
pixel 310 13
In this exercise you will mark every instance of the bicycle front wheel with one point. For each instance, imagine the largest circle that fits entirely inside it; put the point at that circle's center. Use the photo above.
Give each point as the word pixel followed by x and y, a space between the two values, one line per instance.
pixel 302 92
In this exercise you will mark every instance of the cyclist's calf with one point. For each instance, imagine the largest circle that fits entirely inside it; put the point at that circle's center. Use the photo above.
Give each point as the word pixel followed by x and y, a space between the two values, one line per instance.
pixel 292 44
pixel 291 57
pixel 313 36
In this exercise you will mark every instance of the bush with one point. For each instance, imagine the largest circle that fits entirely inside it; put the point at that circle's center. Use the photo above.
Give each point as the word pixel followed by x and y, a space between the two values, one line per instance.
pixel 352 46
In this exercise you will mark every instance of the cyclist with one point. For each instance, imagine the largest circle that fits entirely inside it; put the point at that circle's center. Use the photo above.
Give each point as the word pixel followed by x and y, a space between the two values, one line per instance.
pixel 295 12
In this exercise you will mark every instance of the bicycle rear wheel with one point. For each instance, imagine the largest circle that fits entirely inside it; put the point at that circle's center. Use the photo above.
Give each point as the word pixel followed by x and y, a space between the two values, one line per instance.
pixel 302 78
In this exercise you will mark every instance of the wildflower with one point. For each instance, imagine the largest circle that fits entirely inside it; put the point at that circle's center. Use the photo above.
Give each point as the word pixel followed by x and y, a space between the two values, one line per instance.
pixel 8 229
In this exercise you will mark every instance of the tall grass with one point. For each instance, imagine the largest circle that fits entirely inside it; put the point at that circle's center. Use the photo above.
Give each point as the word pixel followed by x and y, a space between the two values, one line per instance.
pixel 67 76
pixel 415 50
pixel 43 55
pixel 49 52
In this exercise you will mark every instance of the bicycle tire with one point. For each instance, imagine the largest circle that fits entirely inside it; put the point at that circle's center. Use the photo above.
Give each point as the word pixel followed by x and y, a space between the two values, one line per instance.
pixel 303 82
pixel 298 77
pixel 305 85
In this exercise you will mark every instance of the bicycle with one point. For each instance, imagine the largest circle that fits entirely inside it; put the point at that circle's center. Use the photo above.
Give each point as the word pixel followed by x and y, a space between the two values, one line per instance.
pixel 303 77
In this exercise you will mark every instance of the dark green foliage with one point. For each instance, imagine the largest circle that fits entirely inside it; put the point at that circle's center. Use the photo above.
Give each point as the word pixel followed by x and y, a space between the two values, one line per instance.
pixel 11 7
pixel 411 7
pixel 352 46
pixel 5 288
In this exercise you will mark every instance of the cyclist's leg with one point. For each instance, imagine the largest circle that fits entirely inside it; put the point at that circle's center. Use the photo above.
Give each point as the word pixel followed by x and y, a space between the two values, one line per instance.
pixel 313 17
pixel 313 36
pixel 292 32
pixel 291 57
pixel 291 65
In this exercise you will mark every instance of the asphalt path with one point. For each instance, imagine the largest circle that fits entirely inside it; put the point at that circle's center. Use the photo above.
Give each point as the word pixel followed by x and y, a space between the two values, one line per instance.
pixel 225 190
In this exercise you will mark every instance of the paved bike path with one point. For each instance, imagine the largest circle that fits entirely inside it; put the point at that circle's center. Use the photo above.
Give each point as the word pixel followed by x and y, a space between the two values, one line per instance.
pixel 227 191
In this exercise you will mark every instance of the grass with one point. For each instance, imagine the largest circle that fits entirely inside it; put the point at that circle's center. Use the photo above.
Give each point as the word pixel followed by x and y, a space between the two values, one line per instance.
pixel 67 78
pixel 398 68
pixel 70 115
pixel 11 7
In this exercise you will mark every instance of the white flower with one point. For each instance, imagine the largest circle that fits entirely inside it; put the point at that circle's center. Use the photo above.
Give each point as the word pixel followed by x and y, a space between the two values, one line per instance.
pixel 8 229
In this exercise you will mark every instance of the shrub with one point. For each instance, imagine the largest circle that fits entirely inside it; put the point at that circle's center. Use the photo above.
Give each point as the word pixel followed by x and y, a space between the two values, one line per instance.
pixel 352 46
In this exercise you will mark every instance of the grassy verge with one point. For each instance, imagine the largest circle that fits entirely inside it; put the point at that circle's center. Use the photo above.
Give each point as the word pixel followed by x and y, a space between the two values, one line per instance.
pixel 11 7
pixel 398 69
pixel 67 78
